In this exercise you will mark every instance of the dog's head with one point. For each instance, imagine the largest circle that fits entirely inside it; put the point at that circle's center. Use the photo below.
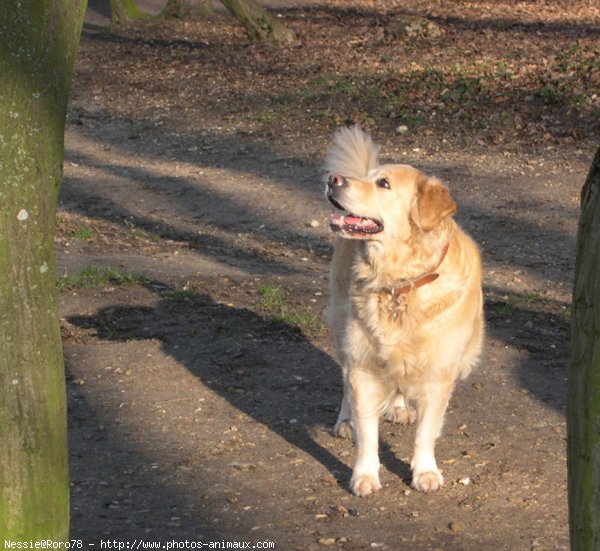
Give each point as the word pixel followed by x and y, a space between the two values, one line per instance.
pixel 390 202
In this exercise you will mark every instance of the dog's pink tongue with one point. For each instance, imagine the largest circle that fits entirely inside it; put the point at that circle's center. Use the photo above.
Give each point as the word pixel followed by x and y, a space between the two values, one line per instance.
pixel 351 220
pixel 359 221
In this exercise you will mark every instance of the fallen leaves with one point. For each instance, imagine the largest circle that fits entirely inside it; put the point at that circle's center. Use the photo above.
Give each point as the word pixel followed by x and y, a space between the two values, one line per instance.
pixel 442 72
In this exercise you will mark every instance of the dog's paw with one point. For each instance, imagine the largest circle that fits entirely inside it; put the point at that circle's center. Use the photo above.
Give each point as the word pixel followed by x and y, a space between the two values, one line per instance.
pixel 401 415
pixel 343 429
pixel 365 485
pixel 428 481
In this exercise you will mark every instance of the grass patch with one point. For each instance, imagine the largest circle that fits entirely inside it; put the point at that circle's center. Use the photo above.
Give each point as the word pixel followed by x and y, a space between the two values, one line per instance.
pixel 504 309
pixel 184 295
pixel 83 233
pixel 476 93
pixel 530 302
pixel 96 276
pixel 527 299
pixel 274 303
pixel 110 332
pixel 233 330
pixel 514 302
pixel 272 298
pixel 329 85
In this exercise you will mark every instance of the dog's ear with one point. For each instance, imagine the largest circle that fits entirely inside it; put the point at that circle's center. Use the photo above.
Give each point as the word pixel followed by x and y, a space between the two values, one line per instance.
pixel 434 203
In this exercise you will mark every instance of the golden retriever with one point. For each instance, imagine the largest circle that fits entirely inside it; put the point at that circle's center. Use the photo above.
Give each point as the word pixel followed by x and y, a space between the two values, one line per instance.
pixel 405 304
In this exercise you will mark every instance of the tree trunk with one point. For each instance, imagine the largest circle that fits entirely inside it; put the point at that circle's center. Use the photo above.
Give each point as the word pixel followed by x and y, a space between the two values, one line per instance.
pixel 583 406
pixel 122 11
pixel 259 23
pixel 196 9
pixel 37 53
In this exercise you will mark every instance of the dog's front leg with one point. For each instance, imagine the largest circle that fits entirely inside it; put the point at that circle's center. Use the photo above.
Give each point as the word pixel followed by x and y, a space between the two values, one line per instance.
pixel 432 402
pixel 365 398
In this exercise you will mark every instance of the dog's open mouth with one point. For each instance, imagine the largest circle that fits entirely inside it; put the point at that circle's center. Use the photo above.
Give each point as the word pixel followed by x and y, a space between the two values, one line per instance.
pixel 351 224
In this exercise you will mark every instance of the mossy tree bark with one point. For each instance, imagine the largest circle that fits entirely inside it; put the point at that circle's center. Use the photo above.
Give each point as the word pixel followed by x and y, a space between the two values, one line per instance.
pixel 122 11
pixel 259 23
pixel 37 53
pixel 583 407
pixel 196 9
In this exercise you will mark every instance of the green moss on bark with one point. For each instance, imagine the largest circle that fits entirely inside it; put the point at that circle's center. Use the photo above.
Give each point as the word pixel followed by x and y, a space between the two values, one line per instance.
pixel 188 8
pixel 37 53
pixel 259 23
pixel 126 10
pixel 584 375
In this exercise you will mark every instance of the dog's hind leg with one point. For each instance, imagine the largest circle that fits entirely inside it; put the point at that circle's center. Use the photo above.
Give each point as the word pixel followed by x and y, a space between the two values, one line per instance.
pixel 343 426
pixel 400 411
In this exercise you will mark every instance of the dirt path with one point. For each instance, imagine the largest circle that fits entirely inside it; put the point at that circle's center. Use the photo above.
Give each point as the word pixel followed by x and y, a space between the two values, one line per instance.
pixel 202 384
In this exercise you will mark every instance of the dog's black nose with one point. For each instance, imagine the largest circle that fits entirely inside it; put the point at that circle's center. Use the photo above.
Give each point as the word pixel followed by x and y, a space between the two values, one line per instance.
pixel 336 180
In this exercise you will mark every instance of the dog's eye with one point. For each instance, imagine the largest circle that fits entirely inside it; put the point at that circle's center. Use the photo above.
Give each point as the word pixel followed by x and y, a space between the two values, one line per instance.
pixel 383 182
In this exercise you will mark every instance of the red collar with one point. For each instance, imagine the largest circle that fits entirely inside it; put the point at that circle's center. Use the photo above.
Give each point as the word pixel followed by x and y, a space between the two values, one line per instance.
pixel 415 282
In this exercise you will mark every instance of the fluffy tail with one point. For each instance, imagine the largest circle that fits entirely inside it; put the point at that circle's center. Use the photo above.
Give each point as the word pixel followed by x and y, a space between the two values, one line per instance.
pixel 352 154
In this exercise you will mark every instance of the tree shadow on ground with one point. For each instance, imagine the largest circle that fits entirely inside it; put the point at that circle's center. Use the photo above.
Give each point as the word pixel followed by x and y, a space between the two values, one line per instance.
pixel 265 368
pixel 538 328
pixel 526 321
pixel 117 489
pixel 198 201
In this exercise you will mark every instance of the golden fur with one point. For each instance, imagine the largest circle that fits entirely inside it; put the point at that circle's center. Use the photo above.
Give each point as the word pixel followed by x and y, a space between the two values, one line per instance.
pixel 398 341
